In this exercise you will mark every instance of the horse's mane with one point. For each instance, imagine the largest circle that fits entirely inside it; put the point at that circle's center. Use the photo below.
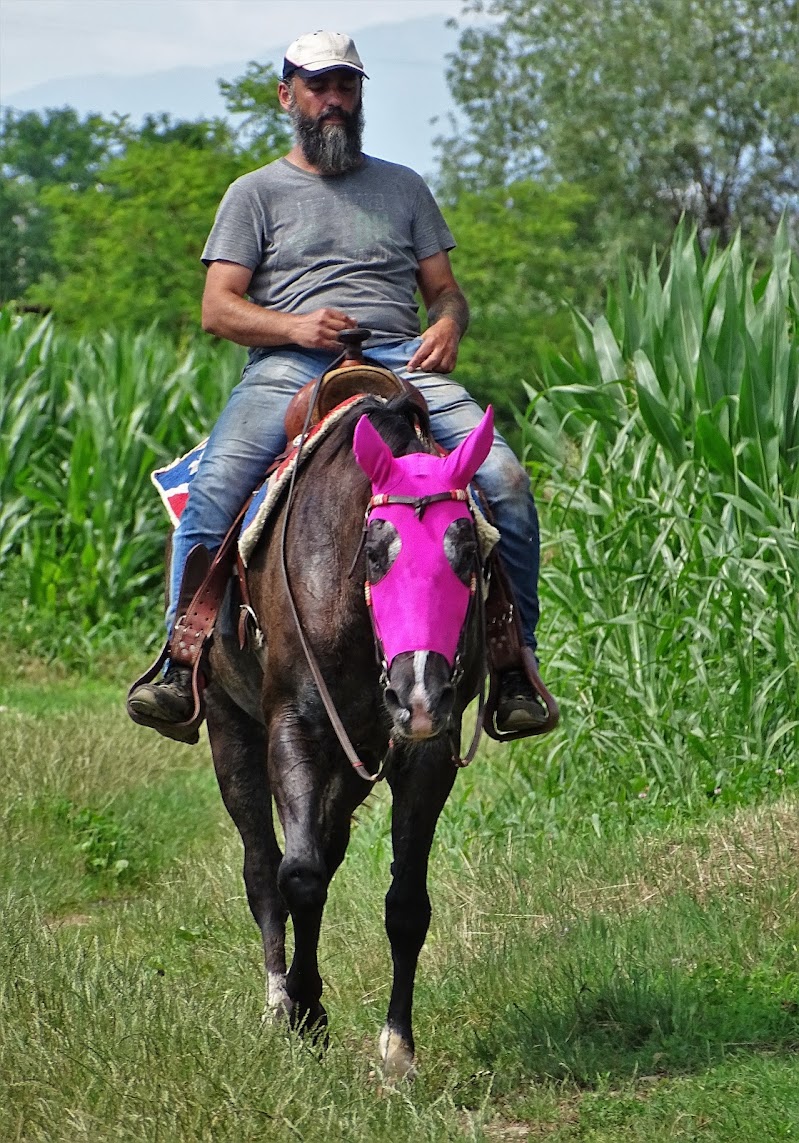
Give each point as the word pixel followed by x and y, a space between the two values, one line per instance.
pixel 397 421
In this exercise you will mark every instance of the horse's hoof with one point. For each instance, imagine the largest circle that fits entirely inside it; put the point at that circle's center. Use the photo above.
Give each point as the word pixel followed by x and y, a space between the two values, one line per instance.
pixel 397 1056
pixel 311 1024
pixel 276 1015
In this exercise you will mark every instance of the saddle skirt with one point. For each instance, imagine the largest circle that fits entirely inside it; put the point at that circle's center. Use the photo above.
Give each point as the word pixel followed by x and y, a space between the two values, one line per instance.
pixel 173 483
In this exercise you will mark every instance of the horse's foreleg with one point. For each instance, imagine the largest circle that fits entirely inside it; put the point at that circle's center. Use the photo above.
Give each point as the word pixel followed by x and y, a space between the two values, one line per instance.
pixel 420 785
pixel 315 801
pixel 238 745
pixel 302 877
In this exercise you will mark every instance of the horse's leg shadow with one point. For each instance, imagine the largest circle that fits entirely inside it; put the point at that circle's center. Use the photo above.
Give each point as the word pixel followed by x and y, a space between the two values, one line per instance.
pixel 420 781
pixel 238 746
pixel 315 801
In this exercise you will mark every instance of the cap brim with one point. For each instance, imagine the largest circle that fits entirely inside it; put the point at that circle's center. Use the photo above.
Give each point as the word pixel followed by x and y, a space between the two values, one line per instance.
pixel 321 68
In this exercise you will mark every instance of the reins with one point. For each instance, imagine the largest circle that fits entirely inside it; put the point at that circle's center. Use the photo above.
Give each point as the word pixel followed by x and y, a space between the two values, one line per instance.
pixel 419 505
pixel 324 693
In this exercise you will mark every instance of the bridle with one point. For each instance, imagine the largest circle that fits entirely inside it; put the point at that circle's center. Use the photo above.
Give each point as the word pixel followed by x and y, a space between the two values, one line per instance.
pixel 476 601
pixel 419 504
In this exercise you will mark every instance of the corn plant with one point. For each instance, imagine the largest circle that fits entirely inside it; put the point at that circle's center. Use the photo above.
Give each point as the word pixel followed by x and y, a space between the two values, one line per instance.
pixel 707 357
pixel 82 424
pixel 669 503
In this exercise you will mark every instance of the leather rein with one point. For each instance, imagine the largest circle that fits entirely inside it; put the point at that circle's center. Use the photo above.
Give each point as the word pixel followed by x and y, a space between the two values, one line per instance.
pixel 419 504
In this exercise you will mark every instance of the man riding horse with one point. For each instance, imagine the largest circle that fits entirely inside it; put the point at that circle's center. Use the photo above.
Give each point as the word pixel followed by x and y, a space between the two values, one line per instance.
pixel 324 240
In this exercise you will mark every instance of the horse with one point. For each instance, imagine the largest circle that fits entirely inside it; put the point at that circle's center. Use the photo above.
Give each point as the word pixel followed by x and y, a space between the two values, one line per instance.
pixel 377 553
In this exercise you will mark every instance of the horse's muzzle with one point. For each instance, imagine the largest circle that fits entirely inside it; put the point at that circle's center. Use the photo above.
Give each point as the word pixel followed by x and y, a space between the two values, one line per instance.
pixel 420 695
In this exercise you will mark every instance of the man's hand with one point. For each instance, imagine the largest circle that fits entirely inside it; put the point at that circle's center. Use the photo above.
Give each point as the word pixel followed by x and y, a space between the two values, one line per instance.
pixel 447 316
pixel 320 329
pixel 228 313
pixel 439 349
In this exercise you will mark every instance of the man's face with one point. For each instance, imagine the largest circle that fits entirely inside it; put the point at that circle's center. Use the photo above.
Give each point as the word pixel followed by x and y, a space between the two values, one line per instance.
pixel 327 117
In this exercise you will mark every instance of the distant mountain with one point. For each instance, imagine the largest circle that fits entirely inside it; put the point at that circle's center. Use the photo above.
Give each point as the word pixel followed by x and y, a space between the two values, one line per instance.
pixel 406 89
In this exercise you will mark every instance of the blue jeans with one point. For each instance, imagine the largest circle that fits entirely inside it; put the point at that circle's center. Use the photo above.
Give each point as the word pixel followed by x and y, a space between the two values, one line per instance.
pixel 249 435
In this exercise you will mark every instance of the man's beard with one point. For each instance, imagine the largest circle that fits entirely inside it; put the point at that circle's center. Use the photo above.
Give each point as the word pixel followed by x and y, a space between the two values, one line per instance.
pixel 333 148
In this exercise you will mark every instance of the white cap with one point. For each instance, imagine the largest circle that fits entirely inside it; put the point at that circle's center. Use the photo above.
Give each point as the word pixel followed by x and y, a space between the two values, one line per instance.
pixel 320 52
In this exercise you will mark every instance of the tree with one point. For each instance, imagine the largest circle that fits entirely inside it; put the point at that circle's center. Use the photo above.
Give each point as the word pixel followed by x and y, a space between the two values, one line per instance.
pixel 38 150
pixel 656 108
pixel 263 130
pixel 104 222
pixel 127 249
pixel 522 253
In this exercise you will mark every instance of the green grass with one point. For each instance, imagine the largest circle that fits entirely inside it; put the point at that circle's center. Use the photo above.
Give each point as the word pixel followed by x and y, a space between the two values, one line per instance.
pixel 639 984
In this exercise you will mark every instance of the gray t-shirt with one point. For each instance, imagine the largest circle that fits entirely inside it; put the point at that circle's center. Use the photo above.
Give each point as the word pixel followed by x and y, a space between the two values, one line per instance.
pixel 352 242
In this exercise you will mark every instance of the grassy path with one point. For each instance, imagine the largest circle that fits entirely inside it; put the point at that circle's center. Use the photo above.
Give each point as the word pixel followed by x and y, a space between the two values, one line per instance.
pixel 639 985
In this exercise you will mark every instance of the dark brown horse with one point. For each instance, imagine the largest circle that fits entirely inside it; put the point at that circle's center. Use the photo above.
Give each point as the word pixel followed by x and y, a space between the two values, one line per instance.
pixel 272 739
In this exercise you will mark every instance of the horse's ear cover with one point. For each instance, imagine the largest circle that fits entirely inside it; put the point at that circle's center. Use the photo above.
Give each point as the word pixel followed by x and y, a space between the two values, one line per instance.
pixel 458 469
pixel 372 453
pixel 464 461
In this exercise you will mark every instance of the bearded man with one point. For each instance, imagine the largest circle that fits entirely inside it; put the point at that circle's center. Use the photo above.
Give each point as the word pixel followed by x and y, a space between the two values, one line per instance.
pixel 323 240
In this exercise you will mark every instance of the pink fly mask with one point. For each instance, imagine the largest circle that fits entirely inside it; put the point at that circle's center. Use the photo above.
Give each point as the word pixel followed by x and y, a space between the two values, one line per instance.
pixel 421 557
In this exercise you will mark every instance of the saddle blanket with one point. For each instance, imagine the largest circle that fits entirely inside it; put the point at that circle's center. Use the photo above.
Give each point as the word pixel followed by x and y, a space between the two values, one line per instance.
pixel 174 481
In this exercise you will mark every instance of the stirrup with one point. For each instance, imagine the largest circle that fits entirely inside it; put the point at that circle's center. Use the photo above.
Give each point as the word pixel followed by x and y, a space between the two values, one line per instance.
pixel 188 731
pixel 529 667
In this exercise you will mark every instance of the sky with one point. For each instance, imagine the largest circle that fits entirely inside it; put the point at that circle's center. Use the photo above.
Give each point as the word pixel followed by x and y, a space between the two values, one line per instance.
pixel 41 40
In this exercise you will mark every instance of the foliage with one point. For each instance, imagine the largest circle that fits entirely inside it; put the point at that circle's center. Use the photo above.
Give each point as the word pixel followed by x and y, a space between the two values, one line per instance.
pixel 712 358
pixel 671 507
pixel 139 233
pixel 521 254
pixel 82 424
pixel 263 129
pixel 93 201
pixel 55 148
pixel 655 108
pixel 56 145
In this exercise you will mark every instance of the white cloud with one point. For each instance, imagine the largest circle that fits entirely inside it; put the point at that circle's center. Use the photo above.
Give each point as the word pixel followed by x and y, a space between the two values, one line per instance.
pixel 47 39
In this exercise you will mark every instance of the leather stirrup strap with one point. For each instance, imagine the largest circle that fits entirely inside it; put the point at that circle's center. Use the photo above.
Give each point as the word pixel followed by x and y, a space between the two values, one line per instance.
pixel 193 628
pixel 195 625
pixel 506 651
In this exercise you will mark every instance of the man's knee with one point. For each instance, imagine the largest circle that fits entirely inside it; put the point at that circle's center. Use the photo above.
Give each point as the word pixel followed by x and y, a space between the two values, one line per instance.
pixel 215 491
pixel 502 477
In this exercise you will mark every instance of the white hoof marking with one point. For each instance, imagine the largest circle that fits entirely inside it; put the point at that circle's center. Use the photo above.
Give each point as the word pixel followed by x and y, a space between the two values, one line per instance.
pixel 397 1057
pixel 278 1004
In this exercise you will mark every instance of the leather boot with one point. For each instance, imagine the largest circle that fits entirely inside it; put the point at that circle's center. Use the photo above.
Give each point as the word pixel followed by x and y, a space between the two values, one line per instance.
pixel 170 699
pixel 519 707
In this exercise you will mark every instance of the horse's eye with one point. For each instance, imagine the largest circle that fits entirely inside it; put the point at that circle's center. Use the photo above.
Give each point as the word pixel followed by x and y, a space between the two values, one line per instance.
pixel 383 545
pixel 460 547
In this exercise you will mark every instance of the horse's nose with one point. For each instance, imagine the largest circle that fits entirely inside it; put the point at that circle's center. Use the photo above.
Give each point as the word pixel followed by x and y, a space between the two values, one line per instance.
pixel 420 719
pixel 421 696
pixel 413 721
pixel 422 724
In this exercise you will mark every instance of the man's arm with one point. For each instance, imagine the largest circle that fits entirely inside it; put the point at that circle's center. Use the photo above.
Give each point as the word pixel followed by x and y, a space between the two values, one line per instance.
pixel 227 313
pixel 447 316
